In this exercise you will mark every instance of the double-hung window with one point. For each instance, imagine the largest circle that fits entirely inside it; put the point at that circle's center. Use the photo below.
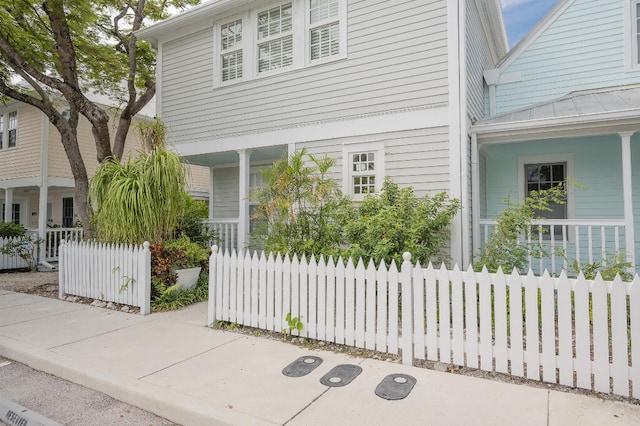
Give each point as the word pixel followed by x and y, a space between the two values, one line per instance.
pixel 12 129
pixel 275 38
pixel 279 37
pixel 231 50
pixel 636 32
pixel 544 176
pixel 632 34
pixel 8 129
pixel 324 28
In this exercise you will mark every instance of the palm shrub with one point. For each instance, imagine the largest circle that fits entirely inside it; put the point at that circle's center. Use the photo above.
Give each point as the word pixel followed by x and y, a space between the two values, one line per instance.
pixel 301 208
pixel 143 198
pixel 396 220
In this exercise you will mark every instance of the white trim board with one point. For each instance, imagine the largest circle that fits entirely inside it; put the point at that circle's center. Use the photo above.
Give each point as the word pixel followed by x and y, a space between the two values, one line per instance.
pixel 424 118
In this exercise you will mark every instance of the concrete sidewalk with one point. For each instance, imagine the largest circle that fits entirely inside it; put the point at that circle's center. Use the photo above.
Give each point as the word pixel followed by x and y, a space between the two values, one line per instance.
pixel 173 365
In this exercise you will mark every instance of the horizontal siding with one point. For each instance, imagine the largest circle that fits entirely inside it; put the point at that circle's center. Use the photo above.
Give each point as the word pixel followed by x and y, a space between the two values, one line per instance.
pixel 397 59
pixel 417 158
pixel 478 60
pixel 225 192
pixel 58 161
pixel 23 160
pixel 596 167
pixel 582 49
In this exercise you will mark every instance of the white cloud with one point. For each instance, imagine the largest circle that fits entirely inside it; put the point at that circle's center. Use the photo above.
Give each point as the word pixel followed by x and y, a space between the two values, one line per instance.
pixel 506 4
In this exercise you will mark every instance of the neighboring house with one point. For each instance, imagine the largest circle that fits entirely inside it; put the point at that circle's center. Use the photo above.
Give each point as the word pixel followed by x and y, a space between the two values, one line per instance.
pixel 565 103
pixel 387 88
pixel 36 183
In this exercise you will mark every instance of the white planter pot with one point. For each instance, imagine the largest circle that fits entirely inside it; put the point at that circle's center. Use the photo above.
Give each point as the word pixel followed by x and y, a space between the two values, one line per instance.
pixel 187 278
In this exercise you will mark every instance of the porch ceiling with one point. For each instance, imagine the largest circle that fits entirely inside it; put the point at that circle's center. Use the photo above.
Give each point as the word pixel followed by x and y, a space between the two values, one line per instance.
pixel 588 112
pixel 270 153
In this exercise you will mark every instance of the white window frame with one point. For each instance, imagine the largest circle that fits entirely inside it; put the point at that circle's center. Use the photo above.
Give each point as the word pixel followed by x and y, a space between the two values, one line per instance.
pixel 551 158
pixel 5 129
pixel 12 125
pixel 341 19
pixel 632 57
pixel 301 38
pixel 219 52
pixel 348 150
pixel 275 37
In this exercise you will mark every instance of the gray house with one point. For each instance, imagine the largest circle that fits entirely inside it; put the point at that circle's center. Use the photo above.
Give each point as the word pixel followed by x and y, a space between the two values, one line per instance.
pixel 386 87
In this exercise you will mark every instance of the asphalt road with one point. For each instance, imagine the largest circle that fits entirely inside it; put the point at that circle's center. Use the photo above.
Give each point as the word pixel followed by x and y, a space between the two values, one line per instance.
pixel 65 402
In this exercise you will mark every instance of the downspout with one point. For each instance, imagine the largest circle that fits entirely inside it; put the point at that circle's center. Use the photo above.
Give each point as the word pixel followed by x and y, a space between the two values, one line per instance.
pixel 627 189
pixel 475 194
pixel 457 114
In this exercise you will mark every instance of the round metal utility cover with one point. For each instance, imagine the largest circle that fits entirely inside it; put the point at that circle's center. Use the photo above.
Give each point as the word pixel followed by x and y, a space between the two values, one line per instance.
pixel 302 366
pixel 341 375
pixel 395 386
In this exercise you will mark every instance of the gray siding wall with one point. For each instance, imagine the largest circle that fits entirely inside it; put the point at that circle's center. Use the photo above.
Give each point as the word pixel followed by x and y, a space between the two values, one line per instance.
pixel 397 60
pixel 417 158
pixel 226 182
pixel 478 60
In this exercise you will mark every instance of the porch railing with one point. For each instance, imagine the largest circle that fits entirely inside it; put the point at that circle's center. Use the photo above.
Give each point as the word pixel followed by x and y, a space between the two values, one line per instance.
pixel 54 236
pixel 566 240
pixel 226 231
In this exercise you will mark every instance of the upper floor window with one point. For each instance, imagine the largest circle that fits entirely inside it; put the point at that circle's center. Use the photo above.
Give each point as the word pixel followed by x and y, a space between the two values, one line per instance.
pixel 324 28
pixel 283 36
pixel 636 32
pixel 12 129
pixel 275 38
pixel 231 50
pixel 632 34
pixel 8 130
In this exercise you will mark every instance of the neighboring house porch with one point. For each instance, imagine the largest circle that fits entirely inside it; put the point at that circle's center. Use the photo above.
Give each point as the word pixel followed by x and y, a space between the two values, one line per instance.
pixel 589 137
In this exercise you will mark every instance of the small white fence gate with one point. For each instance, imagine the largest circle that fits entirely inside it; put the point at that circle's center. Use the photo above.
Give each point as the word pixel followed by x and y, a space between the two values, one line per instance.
pixel 559 330
pixel 109 272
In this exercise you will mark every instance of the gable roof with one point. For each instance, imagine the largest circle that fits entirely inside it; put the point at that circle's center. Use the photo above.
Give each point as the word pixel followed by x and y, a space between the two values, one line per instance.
pixel 534 33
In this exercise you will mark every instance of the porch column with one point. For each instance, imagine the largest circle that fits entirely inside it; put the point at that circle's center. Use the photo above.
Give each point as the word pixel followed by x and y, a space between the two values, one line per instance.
pixel 243 224
pixel 42 219
pixel 210 192
pixel 475 197
pixel 8 204
pixel 627 190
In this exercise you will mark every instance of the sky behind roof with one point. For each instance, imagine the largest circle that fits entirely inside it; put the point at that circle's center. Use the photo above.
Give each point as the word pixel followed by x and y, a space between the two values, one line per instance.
pixel 522 15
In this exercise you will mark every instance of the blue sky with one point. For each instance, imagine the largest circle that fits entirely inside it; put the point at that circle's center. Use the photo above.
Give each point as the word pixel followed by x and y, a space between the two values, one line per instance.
pixel 521 15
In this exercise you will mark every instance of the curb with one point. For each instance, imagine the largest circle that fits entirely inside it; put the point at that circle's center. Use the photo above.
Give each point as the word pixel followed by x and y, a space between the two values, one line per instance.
pixel 163 402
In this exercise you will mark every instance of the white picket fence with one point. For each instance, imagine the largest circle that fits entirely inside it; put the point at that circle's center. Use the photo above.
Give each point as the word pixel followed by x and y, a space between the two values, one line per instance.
pixel 8 261
pixel 559 330
pixel 108 272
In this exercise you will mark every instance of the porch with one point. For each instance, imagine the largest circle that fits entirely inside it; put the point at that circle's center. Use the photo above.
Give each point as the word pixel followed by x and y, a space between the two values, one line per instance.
pixel 594 154
pixel 232 177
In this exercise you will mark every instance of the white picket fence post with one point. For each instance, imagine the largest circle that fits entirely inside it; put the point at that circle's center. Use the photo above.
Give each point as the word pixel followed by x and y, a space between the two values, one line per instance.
pixel 144 288
pixel 62 280
pixel 406 289
pixel 213 284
